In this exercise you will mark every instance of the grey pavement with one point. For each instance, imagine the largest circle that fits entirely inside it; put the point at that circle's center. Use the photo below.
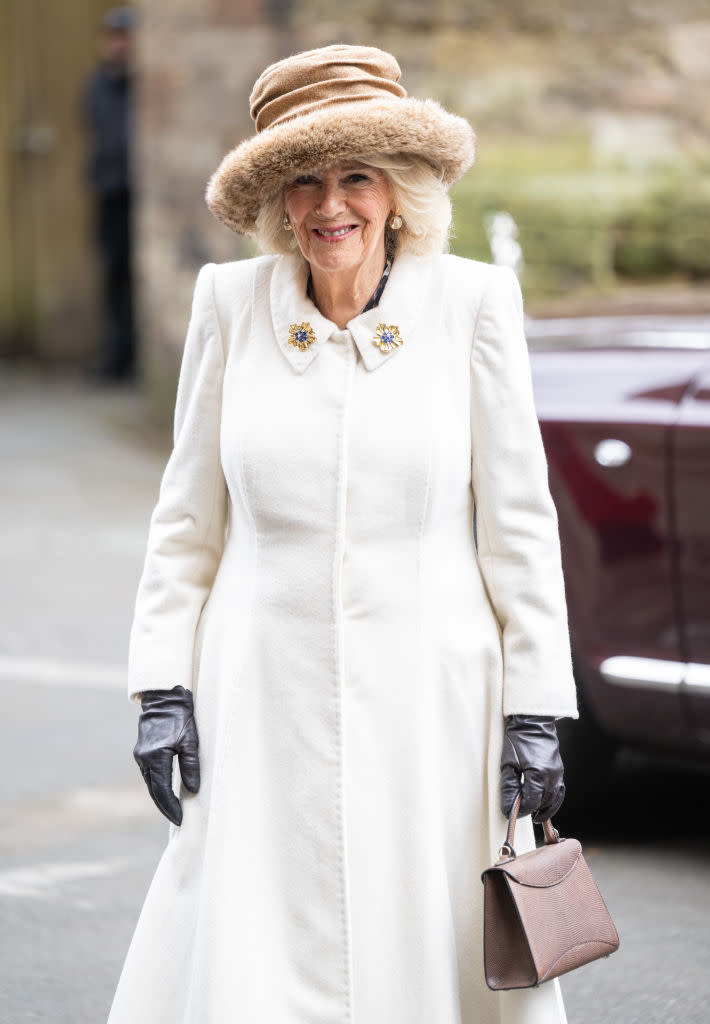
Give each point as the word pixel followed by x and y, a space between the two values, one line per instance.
pixel 79 838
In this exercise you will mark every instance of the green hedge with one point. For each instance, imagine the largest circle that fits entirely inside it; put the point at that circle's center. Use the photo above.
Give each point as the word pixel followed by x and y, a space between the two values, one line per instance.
pixel 585 229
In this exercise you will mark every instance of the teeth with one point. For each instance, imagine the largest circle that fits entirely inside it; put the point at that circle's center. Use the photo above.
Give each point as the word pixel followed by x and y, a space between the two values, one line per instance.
pixel 334 234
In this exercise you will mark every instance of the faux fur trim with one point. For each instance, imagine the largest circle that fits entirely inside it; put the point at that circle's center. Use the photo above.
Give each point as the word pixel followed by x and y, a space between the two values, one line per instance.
pixel 258 167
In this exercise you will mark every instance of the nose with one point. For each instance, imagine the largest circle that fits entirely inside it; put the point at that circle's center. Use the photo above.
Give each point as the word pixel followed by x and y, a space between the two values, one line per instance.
pixel 331 200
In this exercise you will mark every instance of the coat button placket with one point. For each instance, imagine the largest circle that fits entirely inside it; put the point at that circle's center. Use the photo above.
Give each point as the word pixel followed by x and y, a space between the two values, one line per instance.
pixel 346 346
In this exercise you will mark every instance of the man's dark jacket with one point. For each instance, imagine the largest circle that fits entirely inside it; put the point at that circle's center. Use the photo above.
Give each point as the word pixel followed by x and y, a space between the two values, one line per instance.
pixel 106 102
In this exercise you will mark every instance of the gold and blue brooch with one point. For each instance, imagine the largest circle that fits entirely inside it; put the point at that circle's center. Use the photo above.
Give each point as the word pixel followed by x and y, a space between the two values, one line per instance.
pixel 387 337
pixel 301 335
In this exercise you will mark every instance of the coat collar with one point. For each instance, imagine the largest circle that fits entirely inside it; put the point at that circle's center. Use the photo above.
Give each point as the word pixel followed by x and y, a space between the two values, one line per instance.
pixel 400 306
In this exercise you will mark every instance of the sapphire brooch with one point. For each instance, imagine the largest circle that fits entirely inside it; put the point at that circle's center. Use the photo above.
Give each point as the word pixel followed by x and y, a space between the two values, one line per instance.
pixel 301 335
pixel 387 337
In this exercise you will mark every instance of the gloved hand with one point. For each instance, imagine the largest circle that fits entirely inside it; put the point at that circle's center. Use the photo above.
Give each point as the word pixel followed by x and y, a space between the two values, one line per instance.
pixel 165 728
pixel 531 748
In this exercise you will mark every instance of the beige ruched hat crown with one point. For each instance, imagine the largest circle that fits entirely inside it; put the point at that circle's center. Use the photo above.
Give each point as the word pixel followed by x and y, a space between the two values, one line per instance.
pixel 322 106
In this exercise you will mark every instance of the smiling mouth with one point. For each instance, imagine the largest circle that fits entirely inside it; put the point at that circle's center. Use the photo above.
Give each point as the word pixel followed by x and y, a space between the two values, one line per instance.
pixel 335 233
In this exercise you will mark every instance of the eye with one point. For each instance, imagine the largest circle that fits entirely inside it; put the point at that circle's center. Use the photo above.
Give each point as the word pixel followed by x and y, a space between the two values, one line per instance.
pixel 304 179
pixel 358 176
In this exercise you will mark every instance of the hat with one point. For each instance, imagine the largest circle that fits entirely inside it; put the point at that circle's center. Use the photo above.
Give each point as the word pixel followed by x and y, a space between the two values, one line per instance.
pixel 323 106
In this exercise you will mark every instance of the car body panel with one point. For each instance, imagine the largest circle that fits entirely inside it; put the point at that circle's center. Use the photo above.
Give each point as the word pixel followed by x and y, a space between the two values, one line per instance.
pixel 628 466
pixel 691 486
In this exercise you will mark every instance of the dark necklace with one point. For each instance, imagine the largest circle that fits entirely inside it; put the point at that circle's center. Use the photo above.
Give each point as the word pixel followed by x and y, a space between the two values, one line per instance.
pixel 376 295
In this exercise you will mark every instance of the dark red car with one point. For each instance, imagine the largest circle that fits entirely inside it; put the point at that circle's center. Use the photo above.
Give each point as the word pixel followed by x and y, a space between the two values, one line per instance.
pixel 624 407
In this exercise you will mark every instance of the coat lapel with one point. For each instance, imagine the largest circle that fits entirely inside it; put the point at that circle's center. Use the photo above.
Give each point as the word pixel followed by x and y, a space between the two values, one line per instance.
pixel 401 306
pixel 291 306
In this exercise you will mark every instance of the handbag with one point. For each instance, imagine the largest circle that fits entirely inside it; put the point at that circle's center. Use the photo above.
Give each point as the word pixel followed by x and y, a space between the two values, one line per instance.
pixel 543 914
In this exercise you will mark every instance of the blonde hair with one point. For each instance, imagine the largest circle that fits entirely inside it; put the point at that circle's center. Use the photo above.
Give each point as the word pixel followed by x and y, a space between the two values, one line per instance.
pixel 420 197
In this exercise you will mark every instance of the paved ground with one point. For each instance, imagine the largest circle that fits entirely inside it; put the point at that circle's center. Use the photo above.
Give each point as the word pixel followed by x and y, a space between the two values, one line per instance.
pixel 79 838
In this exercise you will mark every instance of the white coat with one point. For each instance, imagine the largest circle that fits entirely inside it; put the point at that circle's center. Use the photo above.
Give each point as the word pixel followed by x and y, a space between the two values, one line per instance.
pixel 312 576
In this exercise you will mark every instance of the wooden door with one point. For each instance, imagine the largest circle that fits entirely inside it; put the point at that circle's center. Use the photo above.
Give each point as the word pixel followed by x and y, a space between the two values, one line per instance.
pixel 48 303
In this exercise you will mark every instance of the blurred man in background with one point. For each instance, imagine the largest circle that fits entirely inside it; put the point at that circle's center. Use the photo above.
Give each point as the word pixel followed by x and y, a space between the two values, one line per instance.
pixel 107 112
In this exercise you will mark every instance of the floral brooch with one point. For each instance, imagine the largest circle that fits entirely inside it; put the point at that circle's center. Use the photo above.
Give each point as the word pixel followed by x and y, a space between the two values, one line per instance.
pixel 301 335
pixel 387 337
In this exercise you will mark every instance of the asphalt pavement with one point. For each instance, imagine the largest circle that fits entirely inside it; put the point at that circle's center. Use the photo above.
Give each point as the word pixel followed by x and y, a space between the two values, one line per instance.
pixel 79 837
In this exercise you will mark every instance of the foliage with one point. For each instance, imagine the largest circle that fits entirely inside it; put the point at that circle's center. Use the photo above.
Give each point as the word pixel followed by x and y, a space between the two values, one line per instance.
pixel 581 226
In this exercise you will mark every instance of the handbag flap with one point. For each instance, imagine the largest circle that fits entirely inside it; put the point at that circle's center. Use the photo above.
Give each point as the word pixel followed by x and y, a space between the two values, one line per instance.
pixel 546 866
pixel 566 923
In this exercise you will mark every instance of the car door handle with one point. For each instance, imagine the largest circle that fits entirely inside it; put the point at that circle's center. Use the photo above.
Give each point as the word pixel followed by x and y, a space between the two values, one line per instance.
pixel 612 452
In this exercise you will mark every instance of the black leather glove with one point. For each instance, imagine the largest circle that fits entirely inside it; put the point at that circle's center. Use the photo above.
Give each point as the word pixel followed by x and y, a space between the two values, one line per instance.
pixel 531 749
pixel 165 728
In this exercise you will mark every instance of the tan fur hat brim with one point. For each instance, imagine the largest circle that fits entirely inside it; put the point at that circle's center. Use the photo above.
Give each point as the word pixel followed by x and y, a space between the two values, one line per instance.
pixel 257 168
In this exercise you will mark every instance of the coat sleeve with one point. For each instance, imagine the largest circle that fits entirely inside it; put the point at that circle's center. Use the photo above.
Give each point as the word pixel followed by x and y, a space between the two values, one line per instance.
pixel 515 518
pixel 187 527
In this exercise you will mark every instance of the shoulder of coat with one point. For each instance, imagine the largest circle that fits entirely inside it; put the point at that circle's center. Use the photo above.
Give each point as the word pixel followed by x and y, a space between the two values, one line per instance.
pixel 466 282
pixel 237 277
pixel 463 269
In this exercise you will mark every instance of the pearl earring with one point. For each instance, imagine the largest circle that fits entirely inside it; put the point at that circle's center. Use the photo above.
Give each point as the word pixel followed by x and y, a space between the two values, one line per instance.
pixel 286 223
pixel 395 222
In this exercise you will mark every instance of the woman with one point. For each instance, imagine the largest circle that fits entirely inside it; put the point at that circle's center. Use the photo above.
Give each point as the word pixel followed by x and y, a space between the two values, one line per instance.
pixel 354 416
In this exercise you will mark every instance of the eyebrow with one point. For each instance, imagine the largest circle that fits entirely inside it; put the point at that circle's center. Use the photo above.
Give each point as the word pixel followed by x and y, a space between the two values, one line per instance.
pixel 347 165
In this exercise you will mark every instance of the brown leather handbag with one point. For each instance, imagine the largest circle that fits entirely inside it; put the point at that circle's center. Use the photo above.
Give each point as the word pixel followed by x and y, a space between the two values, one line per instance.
pixel 543 914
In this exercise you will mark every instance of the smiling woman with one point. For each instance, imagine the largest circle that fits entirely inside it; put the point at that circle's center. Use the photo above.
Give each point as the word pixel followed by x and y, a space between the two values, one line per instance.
pixel 338 219
pixel 368 678
pixel 419 194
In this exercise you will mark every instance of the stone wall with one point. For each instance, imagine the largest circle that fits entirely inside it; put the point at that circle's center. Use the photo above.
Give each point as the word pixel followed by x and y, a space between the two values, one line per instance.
pixel 628 75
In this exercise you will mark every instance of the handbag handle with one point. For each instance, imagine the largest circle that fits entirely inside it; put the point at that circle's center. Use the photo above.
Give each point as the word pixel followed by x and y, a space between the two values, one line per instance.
pixel 507 849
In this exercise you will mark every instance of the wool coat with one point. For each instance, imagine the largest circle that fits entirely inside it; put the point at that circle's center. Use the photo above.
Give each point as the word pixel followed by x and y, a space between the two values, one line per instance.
pixel 354 564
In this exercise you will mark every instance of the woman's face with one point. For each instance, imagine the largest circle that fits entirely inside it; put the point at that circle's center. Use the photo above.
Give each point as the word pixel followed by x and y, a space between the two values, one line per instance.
pixel 338 215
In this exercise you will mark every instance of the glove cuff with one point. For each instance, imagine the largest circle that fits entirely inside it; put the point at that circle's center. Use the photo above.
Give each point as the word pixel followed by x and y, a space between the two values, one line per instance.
pixel 513 720
pixel 178 696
